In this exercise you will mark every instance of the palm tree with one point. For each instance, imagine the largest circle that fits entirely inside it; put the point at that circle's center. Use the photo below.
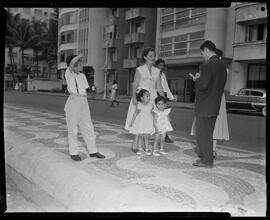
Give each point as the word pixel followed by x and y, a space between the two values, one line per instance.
pixel 11 41
pixel 51 43
pixel 38 45
pixel 22 37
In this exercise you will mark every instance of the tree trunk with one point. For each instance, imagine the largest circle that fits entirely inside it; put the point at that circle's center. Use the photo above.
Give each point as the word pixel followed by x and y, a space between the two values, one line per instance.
pixel 12 63
pixel 22 60
pixel 36 52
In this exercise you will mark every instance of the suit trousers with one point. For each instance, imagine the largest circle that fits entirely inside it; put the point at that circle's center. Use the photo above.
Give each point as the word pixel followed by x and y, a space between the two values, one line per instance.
pixel 78 115
pixel 204 137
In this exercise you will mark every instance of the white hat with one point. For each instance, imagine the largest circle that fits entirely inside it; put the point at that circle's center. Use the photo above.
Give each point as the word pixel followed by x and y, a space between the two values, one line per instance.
pixel 75 60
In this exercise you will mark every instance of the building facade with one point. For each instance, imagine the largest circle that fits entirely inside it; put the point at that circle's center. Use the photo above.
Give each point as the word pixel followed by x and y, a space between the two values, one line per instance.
pixel 248 68
pixel 67 38
pixel 114 31
pixel 180 32
pixel 80 31
pixel 141 34
pixel 239 31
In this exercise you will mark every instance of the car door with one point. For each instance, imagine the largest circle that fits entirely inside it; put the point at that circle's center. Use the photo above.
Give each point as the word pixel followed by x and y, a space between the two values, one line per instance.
pixel 241 100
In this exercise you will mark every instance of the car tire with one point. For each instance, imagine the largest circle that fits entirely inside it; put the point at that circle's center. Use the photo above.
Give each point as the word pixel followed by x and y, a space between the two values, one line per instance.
pixel 264 111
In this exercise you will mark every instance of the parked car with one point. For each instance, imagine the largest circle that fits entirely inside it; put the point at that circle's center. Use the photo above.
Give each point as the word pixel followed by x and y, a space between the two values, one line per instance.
pixel 248 100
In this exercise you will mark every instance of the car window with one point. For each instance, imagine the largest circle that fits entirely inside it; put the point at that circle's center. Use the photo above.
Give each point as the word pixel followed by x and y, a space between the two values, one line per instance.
pixel 256 93
pixel 243 92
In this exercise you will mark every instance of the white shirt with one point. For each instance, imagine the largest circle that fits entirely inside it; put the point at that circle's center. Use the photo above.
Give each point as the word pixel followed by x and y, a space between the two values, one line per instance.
pixel 165 87
pixel 81 82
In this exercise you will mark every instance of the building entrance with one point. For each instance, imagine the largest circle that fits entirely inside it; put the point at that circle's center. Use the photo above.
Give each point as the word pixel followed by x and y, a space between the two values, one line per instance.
pixel 181 84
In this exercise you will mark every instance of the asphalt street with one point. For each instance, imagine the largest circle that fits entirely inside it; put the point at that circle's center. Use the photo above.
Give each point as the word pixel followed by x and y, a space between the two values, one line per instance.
pixel 246 131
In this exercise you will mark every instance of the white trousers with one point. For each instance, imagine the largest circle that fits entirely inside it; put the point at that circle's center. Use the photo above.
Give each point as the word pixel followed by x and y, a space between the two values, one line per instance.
pixel 78 114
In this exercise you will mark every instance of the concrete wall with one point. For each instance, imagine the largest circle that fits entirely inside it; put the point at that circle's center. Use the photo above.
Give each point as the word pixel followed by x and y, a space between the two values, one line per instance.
pixel 150 27
pixel 237 77
pixel 96 55
pixel 35 84
pixel 122 52
pixel 230 30
pixel 215 27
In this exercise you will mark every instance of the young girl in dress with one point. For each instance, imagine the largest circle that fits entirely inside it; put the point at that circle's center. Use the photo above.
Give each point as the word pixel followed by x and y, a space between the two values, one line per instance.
pixel 162 124
pixel 142 124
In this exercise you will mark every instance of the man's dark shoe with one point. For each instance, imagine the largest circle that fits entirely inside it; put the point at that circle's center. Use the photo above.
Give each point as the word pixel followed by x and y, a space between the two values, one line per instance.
pixel 97 155
pixel 167 139
pixel 200 164
pixel 75 157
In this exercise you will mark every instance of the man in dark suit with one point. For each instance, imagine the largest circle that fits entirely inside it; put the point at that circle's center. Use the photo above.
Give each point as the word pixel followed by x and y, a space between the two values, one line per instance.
pixel 210 83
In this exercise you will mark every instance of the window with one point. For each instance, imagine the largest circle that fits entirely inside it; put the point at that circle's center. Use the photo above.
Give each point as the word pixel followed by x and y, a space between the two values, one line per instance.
pixel 256 32
pixel 256 75
pixel 167 27
pixel 68 18
pixel 62 38
pixel 260 32
pixel 167 19
pixel 137 52
pixel 166 47
pixel 195 41
pixel 68 37
pixel 256 93
pixel 62 57
pixel 138 27
pixel 257 72
pixel 175 19
pixel 244 92
pixel 114 11
pixel 166 11
pixel 196 11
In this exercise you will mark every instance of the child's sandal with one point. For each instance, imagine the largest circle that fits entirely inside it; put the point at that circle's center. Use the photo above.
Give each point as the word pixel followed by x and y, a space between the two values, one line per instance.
pixel 155 153
pixel 162 152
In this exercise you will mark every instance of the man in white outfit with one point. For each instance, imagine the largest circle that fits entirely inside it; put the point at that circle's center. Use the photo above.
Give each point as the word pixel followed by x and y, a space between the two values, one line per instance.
pixel 77 110
pixel 160 63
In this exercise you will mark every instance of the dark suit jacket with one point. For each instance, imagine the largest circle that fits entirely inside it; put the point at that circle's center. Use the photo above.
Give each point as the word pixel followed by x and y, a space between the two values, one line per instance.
pixel 210 86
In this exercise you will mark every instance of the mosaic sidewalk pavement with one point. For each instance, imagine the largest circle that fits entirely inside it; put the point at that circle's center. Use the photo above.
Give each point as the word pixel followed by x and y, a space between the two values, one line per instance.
pixel 236 184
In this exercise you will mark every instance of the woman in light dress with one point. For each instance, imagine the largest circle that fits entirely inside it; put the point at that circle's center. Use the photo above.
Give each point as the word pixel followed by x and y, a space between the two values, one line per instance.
pixel 146 77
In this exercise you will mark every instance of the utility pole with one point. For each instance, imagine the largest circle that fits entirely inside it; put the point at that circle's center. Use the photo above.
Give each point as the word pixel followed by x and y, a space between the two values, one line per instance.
pixel 106 70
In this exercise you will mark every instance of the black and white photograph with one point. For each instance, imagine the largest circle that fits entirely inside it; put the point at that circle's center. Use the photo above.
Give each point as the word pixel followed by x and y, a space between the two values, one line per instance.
pixel 135 110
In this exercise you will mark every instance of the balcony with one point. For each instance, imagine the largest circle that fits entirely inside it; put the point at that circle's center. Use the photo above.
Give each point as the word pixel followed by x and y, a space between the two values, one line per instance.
pixel 134 38
pixel 131 63
pixel 112 65
pixel 135 13
pixel 249 51
pixel 250 11
pixel 110 43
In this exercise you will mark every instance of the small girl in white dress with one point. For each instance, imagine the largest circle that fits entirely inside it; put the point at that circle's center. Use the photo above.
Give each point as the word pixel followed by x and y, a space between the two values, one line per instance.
pixel 142 124
pixel 162 124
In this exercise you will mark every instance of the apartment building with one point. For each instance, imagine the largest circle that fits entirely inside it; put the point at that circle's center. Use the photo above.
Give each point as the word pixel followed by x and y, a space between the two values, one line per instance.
pixel 239 31
pixel 141 34
pixel 248 68
pixel 114 30
pixel 180 32
pixel 67 38
pixel 80 31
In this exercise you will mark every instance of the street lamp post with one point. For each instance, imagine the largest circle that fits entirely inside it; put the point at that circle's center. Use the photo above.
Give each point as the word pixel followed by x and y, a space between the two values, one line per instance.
pixel 106 71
